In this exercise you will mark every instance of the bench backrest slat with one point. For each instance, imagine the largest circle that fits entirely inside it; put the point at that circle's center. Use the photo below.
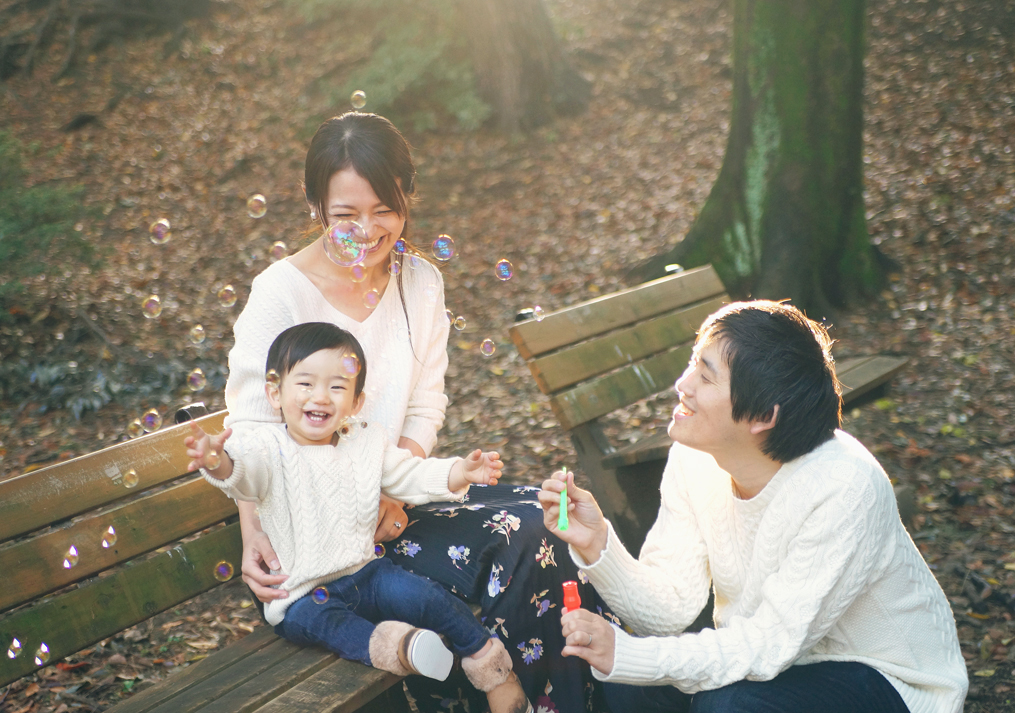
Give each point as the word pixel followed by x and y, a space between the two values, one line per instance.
pixel 620 309
pixel 73 620
pixel 139 526
pixel 35 500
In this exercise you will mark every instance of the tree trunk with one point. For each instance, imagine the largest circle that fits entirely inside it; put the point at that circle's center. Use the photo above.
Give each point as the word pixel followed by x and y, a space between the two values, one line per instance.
pixel 520 69
pixel 785 218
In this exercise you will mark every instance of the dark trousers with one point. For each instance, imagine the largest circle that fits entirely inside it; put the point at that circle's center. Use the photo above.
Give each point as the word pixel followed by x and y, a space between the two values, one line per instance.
pixel 381 591
pixel 829 687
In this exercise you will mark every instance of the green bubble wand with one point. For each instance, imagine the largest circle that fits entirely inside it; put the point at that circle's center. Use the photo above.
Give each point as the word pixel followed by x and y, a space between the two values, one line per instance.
pixel 562 515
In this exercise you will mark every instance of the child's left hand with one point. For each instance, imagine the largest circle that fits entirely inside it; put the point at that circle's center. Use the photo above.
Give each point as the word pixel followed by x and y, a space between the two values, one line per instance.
pixel 482 468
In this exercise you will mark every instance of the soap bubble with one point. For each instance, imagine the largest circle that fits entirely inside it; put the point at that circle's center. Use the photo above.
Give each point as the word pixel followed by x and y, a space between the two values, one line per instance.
pixel 272 377
pixel 279 251
pixel 379 550
pixel 42 655
pixel 14 650
pixel 394 268
pixel 131 479
pixel 350 366
pixel 257 206
pixel 504 270
pixel 151 421
pixel 320 595
pixel 196 380
pixel 450 315
pixel 152 306
pixel 197 334
pixel 459 323
pixel 371 298
pixel 415 261
pixel 358 99
pixel 431 293
pixel 345 243
pixel 487 348
pixel 538 313
pixel 134 428
pixel 223 571
pixel 443 248
pixel 71 558
pixel 357 273
pixel 227 296
pixel 212 461
pixel 109 537
pixel 399 246
pixel 159 232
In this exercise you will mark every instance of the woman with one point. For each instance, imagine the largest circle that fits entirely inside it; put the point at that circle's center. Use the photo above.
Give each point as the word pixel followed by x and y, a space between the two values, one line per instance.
pixel 490 550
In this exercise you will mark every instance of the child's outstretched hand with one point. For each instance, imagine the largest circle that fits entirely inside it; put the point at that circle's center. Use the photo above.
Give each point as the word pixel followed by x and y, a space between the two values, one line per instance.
pixel 482 468
pixel 206 451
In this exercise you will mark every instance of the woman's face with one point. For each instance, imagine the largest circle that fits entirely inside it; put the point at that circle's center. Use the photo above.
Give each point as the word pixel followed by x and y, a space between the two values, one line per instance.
pixel 351 197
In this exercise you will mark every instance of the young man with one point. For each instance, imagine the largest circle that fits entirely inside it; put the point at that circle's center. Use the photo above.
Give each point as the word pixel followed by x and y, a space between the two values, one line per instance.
pixel 822 601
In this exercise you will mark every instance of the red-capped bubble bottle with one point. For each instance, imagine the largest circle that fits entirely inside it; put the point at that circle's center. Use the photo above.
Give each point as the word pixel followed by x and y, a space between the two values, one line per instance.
pixel 571 599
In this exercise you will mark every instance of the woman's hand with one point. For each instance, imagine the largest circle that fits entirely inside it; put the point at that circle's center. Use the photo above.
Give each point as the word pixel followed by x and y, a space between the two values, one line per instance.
pixel 590 637
pixel 587 531
pixel 257 554
pixel 391 519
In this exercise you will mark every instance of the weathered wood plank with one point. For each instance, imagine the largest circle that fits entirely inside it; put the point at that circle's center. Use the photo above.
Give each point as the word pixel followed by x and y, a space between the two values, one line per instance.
pixel 600 355
pixel 139 526
pixel 604 314
pixel 341 687
pixel 52 494
pixel 870 375
pixel 71 621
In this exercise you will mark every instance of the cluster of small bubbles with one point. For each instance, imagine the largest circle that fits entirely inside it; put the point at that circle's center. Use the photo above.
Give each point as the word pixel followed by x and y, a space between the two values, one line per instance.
pixel 152 306
pixel 279 251
pixel 134 428
pixel 131 479
pixel 443 248
pixel 350 366
pixel 348 430
pixel 42 655
pixel 358 99
pixel 394 268
pixel 197 334
pixel 257 206
pixel 345 243
pixel 504 270
pixel 196 380
pixel 357 273
pixel 159 232
pixel 320 595
pixel 109 537
pixel 272 377
pixel 379 550
pixel 371 298
pixel 14 650
pixel 399 246
pixel 212 461
pixel 487 348
pixel 151 421
pixel 71 558
pixel 227 296
pixel 538 313
pixel 459 323
pixel 223 571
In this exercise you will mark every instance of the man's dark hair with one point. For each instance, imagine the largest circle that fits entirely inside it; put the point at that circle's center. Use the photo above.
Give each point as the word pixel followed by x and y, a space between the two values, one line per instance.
pixel 297 343
pixel 776 355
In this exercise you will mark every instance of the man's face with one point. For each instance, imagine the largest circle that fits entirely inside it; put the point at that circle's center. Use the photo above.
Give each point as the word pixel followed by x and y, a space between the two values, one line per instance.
pixel 703 419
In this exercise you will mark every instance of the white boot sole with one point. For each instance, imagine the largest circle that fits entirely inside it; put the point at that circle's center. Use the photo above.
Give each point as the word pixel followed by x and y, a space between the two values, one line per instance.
pixel 429 656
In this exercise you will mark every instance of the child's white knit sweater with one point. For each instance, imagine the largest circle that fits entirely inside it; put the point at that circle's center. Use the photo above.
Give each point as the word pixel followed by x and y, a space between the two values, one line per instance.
pixel 816 567
pixel 318 504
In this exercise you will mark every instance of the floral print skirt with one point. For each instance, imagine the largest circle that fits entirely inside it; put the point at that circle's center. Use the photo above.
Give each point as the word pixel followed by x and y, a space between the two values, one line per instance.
pixel 493 550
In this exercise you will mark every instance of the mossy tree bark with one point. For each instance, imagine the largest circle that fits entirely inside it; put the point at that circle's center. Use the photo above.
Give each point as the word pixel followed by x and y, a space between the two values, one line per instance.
pixel 786 218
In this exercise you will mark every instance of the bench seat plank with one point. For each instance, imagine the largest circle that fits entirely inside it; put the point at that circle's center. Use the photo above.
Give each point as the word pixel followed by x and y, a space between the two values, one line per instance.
pixel 341 687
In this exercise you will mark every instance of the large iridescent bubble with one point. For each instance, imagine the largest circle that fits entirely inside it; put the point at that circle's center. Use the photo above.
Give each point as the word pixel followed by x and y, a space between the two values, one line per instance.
pixel 345 243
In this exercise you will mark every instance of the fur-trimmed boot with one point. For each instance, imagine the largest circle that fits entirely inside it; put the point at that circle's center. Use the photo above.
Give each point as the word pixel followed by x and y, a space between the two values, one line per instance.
pixel 403 649
pixel 492 675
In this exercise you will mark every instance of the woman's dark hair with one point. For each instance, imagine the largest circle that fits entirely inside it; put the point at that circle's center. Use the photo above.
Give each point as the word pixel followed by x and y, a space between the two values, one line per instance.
pixel 776 355
pixel 297 343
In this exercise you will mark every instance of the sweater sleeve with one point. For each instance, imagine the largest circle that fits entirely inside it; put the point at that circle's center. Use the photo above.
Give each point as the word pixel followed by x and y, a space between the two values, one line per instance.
pixel 827 563
pixel 417 480
pixel 252 467
pixel 424 414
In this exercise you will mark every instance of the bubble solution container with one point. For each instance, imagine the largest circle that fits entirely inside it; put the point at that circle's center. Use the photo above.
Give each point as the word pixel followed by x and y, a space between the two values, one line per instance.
pixel 571 599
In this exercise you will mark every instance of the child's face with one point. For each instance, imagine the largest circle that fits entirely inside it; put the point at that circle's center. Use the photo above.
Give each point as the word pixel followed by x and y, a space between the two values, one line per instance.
pixel 316 397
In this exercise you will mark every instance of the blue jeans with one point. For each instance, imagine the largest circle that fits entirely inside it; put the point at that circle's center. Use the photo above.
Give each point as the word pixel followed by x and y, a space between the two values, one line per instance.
pixel 381 591
pixel 829 687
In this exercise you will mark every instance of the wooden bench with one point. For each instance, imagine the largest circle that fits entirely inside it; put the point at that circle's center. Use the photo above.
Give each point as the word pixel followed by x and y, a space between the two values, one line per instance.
pixel 605 354
pixel 97 544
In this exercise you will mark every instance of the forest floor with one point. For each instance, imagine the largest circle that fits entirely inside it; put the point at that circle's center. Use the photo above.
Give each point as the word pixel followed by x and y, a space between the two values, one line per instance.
pixel 573 205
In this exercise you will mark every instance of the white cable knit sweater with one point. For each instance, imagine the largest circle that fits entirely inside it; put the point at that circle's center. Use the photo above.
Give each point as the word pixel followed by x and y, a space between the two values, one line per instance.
pixel 816 567
pixel 404 391
pixel 318 504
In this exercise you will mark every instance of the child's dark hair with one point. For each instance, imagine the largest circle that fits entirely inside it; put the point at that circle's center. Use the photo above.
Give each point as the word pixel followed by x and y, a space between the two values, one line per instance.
pixel 297 343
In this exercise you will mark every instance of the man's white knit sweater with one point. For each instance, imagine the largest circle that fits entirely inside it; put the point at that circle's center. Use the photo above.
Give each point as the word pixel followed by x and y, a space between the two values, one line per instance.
pixel 318 504
pixel 816 567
